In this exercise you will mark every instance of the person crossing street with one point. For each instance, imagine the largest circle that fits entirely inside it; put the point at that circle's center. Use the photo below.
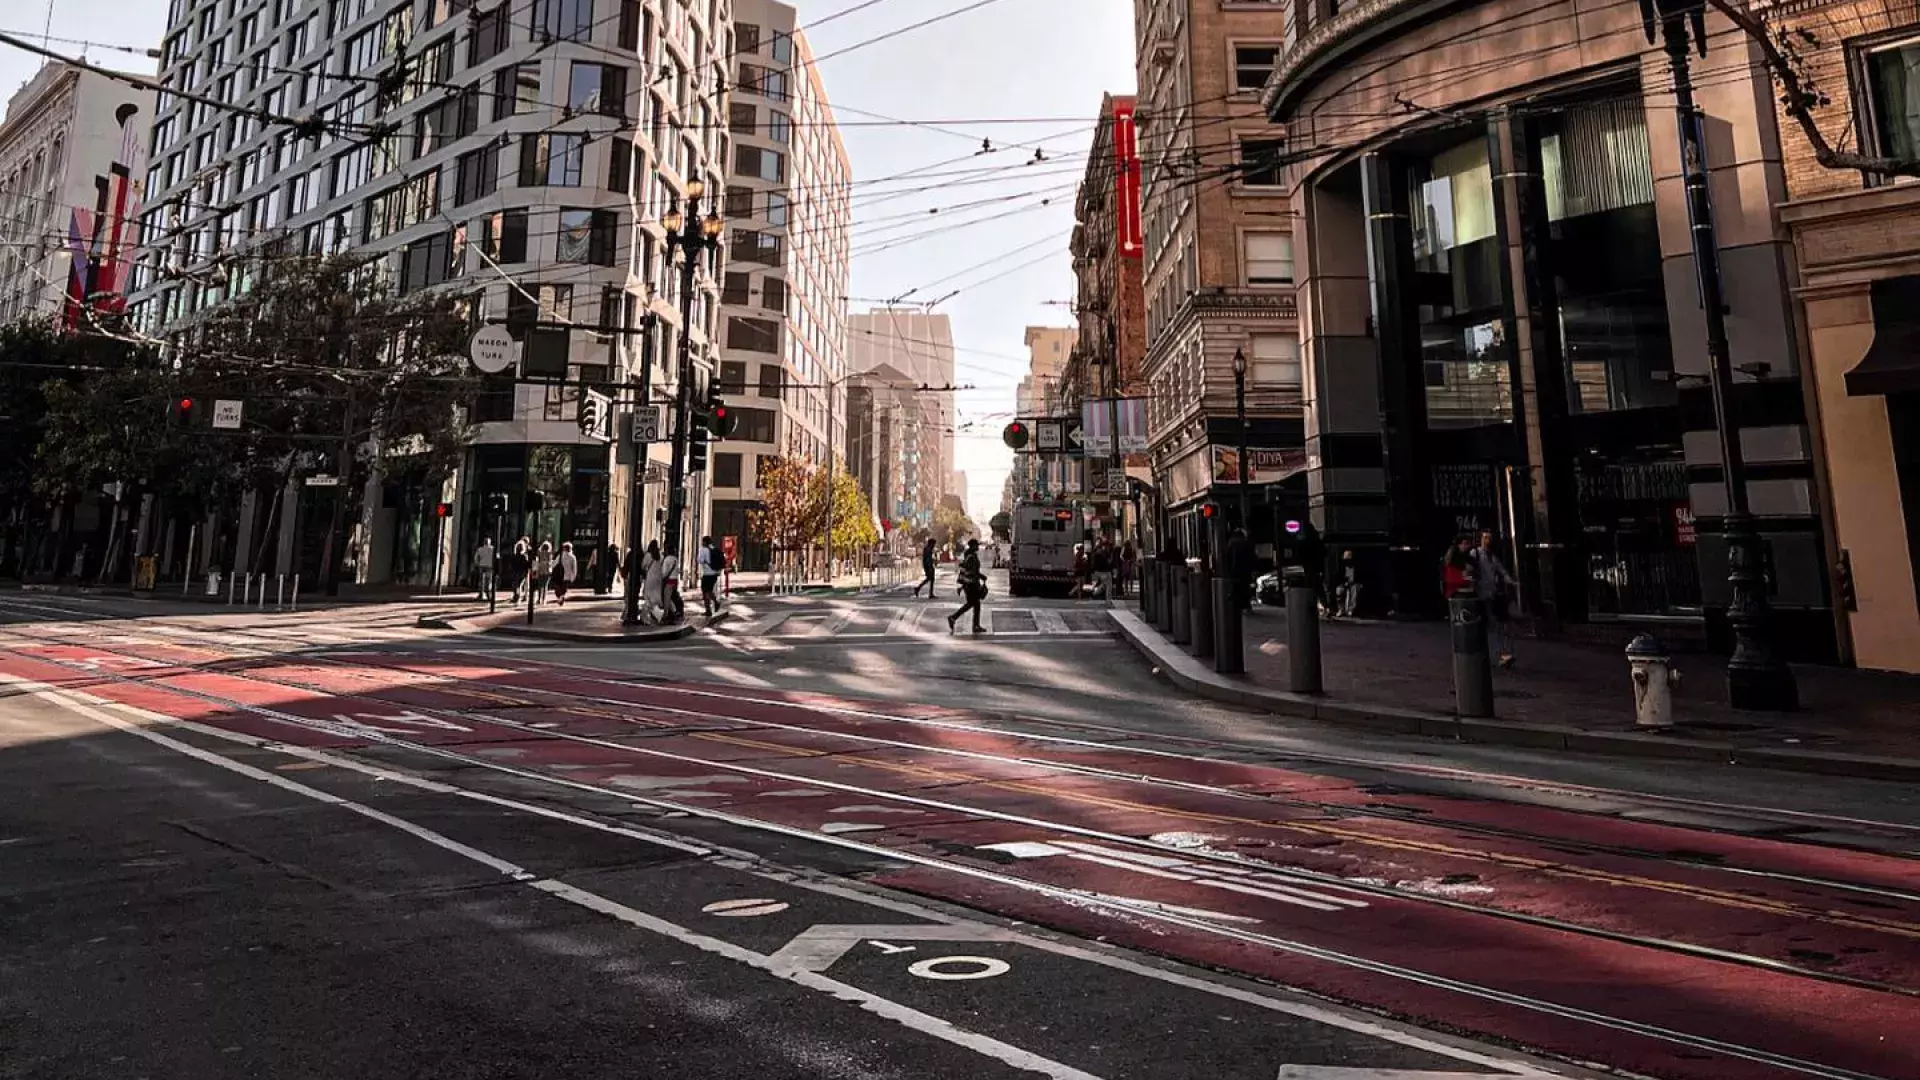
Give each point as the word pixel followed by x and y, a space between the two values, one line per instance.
pixel 973 587
pixel 926 568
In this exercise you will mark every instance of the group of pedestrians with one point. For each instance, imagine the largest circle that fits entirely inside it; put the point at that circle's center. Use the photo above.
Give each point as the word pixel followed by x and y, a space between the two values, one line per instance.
pixel 1106 570
pixel 546 572
pixel 1471 567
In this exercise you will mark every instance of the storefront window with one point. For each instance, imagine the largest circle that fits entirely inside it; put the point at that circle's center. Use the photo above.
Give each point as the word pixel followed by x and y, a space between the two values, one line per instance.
pixel 1463 344
pixel 1598 175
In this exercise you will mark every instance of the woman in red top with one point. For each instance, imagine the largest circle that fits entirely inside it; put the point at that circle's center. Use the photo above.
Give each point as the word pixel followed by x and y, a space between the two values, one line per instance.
pixel 1456 570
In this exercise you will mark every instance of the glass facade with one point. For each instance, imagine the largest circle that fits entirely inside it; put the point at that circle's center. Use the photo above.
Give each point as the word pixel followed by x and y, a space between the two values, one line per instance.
pixel 1456 279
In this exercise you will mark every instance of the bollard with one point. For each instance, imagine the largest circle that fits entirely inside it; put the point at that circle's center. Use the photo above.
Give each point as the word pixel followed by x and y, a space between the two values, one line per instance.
pixel 1472 666
pixel 1180 609
pixel 279 592
pixel 231 582
pixel 1147 581
pixel 261 603
pixel 1303 634
pixel 1200 597
pixel 1654 680
pixel 1165 599
pixel 1229 638
pixel 294 602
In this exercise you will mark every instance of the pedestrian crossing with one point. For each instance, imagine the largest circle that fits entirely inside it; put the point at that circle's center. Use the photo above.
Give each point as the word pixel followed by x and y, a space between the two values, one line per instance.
pixel 905 621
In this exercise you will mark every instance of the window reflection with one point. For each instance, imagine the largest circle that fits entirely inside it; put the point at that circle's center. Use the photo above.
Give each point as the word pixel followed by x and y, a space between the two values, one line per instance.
pixel 1463 344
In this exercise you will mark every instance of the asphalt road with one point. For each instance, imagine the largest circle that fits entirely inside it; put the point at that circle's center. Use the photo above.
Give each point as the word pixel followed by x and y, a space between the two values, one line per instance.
pixel 821 844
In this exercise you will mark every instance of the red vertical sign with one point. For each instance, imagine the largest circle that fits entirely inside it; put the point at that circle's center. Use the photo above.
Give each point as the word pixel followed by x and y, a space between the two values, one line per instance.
pixel 1126 153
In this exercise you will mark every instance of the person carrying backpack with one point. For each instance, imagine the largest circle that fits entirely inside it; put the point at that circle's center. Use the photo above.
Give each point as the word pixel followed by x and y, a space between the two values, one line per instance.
pixel 973 586
pixel 713 562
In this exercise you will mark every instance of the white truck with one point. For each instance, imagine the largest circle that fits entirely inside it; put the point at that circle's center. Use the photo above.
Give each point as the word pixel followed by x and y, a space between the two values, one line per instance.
pixel 1042 557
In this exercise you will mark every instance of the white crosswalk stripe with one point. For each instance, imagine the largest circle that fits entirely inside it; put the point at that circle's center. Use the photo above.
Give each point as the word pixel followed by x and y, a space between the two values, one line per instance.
pixel 755 626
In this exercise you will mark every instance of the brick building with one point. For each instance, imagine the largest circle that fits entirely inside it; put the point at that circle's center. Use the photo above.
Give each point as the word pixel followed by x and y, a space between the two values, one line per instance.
pixel 1218 265
pixel 1857 241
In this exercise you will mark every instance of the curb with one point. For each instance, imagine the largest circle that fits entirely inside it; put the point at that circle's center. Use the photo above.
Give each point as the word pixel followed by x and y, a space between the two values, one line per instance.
pixel 1190 674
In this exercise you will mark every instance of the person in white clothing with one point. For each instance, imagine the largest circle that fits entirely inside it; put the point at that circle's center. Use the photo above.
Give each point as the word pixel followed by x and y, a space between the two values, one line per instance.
pixel 565 569
pixel 711 563
pixel 483 565
pixel 653 577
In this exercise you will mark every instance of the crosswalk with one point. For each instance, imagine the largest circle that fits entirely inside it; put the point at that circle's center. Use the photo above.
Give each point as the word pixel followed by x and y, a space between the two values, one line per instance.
pixel 905 620
pixel 95 623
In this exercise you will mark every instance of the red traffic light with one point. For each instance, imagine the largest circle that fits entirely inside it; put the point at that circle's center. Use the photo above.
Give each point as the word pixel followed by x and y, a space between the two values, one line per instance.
pixel 186 403
pixel 1209 511
pixel 1015 435
pixel 443 510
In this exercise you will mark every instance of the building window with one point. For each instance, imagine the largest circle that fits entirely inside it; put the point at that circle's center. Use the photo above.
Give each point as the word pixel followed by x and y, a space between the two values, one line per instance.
pixel 516 89
pixel 751 246
pixel 620 165
pixel 779 127
pixel 1269 258
pixel 586 236
pixel 738 289
pixel 782 47
pixel 726 470
pixel 733 377
pixel 427 261
pixel 773 295
pixel 743 118
pixel 751 161
pixel 753 335
pixel 1893 99
pixel 1260 162
pixel 548 160
pixel 773 378
pixel 476 174
pixel 503 236
pixel 490 35
pixel 454 118
pixel 776 208
pixel 562 20
pixel 746 39
pixel 739 202
pixel 1274 360
pixel 598 88
pixel 1252 65
pixel 755 425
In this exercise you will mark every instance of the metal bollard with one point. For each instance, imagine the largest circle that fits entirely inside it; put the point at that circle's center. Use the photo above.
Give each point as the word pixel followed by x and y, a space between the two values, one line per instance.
pixel 1181 614
pixel 1200 596
pixel 1472 666
pixel 1654 680
pixel 294 603
pixel 1229 639
pixel 232 580
pixel 279 592
pixel 1303 634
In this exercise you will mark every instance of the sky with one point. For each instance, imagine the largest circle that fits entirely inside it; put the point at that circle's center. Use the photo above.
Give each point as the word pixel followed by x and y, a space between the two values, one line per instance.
pixel 1027 72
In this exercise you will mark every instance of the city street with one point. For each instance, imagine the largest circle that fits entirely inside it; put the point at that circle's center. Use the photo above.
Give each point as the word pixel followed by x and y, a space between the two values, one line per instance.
pixel 828 838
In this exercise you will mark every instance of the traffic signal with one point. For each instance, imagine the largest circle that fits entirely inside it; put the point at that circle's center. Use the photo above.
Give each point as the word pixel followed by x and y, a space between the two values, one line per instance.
pixel 1016 436
pixel 697 450
pixel 1210 510
pixel 714 414
pixel 498 504
pixel 180 412
pixel 590 418
pixel 443 510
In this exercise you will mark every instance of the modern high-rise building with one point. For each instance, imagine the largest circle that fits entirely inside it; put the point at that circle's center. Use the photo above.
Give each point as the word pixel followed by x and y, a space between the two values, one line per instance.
pixel 880 404
pixel 522 154
pixel 71 146
pixel 783 304
pixel 919 345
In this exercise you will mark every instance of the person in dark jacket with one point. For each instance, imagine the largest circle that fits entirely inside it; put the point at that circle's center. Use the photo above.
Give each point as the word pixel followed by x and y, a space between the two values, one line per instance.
pixel 973 587
pixel 926 568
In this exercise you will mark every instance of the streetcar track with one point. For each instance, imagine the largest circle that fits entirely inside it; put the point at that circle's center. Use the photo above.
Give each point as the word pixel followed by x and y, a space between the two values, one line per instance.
pixel 1299 876
pixel 1137 909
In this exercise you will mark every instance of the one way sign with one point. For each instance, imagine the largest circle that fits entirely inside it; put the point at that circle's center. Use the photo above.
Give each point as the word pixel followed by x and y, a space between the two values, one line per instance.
pixel 1075 438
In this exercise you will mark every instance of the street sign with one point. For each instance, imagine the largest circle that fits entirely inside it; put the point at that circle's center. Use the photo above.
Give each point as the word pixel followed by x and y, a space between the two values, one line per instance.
pixel 1117 483
pixel 646 424
pixel 226 414
pixel 323 481
pixel 1073 435
pixel 1048 435
pixel 491 349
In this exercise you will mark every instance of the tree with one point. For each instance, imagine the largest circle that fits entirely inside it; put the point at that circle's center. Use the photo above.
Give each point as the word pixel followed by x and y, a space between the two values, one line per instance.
pixel 785 502
pixel 1783 48
pixel 951 525
pixel 853 527
pixel 339 372
pixel 1001 525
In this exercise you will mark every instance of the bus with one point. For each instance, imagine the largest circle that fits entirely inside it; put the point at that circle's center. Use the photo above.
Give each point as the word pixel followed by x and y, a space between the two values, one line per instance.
pixel 1043 539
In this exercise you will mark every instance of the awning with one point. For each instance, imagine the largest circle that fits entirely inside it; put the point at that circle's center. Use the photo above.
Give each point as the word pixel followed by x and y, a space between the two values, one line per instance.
pixel 1892 363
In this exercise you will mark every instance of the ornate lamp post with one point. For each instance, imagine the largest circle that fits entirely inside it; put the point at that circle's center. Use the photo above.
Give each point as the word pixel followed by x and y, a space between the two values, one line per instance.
pixel 1240 412
pixel 694 236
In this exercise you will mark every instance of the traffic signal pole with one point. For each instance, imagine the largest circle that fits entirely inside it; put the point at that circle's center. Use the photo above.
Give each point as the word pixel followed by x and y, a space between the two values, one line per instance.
pixel 637 484
pixel 692 245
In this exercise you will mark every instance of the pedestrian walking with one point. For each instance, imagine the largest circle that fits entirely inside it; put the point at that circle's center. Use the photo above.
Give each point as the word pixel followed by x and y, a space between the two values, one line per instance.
pixel 1129 562
pixel 1102 561
pixel 654 578
pixel 483 566
pixel 540 574
pixel 1492 583
pixel 519 564
pixel 670 576
pixel 926 568
pixel 1456 568
pixel 566 570
pixel 609 567
pixel 973 588
pixel 712 562
pixel 1082 572
pixel 1347 590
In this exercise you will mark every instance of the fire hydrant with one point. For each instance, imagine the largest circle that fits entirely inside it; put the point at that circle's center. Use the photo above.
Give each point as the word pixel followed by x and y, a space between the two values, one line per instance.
pixel 1654 680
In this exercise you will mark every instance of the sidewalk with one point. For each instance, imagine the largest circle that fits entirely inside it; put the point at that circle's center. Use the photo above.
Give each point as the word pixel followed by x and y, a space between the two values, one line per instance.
pixel 585 618
pixel 1398 676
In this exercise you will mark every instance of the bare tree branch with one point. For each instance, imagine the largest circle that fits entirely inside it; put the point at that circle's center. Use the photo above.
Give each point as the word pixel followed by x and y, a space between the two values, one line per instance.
pixel 1798 101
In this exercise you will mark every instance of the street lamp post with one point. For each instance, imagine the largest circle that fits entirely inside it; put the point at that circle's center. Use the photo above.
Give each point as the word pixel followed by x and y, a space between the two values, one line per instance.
pixel 694 236
pixel 1240 412
pixel 1756 678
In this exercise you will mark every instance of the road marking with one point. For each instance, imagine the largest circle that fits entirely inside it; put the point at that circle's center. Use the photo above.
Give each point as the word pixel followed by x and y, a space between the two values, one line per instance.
pixel 905 622
pixel 744 909
pixel 1343 1072
pixel 881 945
pixel 1174 869
pixel 818 948
pixel 977 967
pixel 911 1018
pixel 1048 621
pixel 374 722
pixel 835 623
